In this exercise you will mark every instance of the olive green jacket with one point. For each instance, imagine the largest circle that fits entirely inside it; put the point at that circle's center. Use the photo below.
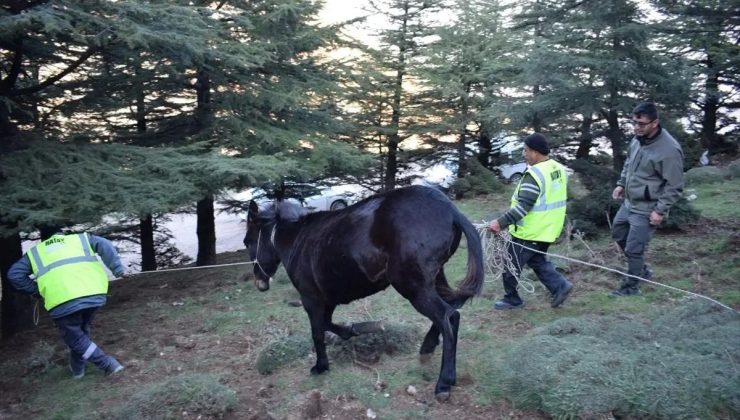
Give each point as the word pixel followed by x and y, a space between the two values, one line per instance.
pixel 652 176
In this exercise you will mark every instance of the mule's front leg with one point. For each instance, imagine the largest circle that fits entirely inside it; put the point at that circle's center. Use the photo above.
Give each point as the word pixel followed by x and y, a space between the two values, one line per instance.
pixel 318 327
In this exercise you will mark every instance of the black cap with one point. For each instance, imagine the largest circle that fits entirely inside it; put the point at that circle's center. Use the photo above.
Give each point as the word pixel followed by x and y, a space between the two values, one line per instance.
pixel 47 231
pixel 537 142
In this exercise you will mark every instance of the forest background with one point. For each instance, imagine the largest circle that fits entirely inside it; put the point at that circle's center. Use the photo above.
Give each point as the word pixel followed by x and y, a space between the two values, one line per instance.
pixel 135 109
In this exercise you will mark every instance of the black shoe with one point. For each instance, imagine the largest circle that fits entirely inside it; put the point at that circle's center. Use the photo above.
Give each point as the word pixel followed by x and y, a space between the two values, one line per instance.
pixel 504 304
pixel 625 291
pixel 559 297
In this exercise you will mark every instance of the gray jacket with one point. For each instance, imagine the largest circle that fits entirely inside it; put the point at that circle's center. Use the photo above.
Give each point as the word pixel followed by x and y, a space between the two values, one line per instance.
pixel 652 176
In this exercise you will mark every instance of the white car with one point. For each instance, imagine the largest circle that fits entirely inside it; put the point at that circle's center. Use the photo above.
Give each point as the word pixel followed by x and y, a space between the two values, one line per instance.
pixel 310 196
pixel 512 172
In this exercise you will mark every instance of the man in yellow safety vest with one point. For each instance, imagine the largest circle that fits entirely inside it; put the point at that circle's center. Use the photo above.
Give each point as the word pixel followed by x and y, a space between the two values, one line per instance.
pixel 536 218
pixel 73 285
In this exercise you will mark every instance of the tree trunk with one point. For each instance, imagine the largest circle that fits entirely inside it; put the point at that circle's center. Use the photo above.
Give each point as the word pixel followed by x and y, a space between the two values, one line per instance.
pixel 586 138
pixel 391 166
pixel 146 229
pixel 484 148
pixel 146 235
pixel 17 308
pixel 206 231
pixel 616 137
pixel 709 138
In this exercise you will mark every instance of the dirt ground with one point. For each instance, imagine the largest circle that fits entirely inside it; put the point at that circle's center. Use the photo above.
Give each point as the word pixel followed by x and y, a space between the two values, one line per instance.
pixel 183 344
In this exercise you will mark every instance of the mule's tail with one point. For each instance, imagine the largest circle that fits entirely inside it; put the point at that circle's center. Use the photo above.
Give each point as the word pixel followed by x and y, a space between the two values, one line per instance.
pixel 472 284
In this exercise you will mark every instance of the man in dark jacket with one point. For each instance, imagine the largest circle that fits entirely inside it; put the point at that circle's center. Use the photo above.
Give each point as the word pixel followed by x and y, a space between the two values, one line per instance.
pixel 651 182
pixel 73 284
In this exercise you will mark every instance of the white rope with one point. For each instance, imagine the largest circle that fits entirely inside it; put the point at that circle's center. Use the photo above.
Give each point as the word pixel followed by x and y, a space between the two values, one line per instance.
pixel 186 268
pixel 484 227
pixel 498 259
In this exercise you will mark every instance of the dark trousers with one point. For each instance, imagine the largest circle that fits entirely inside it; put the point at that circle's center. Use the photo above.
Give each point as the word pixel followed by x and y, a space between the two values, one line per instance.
pixel 537 261
pixel 632 232
pixel 75 331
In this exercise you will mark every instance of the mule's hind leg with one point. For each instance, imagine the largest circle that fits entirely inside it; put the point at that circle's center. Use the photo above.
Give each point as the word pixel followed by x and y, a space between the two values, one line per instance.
pixel 431 341
pixel 343 332
pixel 444 318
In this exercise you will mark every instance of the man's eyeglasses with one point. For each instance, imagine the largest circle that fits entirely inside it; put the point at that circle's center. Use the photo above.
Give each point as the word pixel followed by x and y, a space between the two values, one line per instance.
pixel 642 124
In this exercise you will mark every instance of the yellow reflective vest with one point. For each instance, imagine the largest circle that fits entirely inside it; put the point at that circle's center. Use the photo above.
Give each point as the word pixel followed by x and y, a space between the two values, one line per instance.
pixel 545 220
pixel 67 268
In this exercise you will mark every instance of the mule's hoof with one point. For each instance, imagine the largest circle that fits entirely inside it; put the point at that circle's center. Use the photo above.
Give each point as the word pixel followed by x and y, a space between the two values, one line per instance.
pixel 443 396
pixel 318 370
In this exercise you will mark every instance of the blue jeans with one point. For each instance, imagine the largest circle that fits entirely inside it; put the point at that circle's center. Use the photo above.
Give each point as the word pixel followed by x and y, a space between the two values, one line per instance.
pixel 544 269
pixel 632 232
pixel 75 331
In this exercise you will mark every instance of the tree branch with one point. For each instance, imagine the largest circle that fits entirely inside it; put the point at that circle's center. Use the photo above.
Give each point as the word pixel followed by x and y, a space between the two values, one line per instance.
pixel 48 82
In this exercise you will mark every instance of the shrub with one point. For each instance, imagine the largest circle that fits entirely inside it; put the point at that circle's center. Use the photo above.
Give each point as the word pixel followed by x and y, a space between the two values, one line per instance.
pixel 283 351
pixel 679 366
pixel 197 394
pixel 479 181
pixel 681 214
pixel 733 169
pixel 704 174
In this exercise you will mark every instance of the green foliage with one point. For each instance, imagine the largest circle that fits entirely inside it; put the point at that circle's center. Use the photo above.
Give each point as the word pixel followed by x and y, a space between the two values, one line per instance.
pixel 196 394
pixel 41 357
pixel 480 181
pixel 590 213
pixel 704 174
pixel 682 213
pixel 396 338
pixel 283 351
pixel 733 169
pixel 681 365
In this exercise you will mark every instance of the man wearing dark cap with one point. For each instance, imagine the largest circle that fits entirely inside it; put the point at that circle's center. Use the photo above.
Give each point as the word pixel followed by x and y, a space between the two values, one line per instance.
pixel 73 284
pixel 536 217
pixel 651 182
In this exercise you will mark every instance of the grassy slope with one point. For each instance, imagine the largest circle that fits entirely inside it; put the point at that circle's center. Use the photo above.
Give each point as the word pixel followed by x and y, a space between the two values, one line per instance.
pixel 162 325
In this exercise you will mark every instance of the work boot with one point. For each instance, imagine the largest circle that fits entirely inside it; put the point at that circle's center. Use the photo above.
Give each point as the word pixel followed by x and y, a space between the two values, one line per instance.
pixel 625 291
pixel 77 365
pixel 507 303
pixel 559 297
pixel 113 368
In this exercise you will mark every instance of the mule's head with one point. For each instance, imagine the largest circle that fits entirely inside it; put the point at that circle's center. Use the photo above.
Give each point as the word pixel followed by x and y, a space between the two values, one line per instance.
pixel 259 243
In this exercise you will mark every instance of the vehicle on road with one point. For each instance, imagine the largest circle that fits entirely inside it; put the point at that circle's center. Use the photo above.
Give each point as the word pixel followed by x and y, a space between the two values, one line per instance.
pixel 310 196
pixel 512 172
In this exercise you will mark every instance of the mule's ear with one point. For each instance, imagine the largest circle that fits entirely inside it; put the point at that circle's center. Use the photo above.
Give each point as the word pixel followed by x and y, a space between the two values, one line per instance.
pixel 253 212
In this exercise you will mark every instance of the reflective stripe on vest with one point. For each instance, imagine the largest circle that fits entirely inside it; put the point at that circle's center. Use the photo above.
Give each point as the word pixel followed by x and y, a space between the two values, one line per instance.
pixel 545 220
pixel 66 268
pixel 87 257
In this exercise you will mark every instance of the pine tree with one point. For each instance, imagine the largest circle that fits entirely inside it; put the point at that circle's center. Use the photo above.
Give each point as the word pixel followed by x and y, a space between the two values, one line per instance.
pixel 591 62
pixel 460 72
pixel 705 33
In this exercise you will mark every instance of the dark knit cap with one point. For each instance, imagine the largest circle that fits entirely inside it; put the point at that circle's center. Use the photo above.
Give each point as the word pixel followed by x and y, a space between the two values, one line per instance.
pixel 537 142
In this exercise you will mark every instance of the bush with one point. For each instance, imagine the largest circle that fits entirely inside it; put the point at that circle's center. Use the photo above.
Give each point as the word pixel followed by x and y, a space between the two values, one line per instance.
pixel 479 181
pixel 733 169
pixel 368 348
pixel 704 174
pixel 682 213
pixel 588 213
pixel 283 351
pixel 679 366
pixel 196 394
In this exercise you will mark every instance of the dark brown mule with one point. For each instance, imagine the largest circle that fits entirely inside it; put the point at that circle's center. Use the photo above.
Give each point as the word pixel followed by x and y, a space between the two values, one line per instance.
pixel 401 238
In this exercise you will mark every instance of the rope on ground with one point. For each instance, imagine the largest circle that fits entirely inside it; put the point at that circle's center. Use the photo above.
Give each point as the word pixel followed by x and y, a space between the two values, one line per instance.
pixel 184 269
pixel 505 237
